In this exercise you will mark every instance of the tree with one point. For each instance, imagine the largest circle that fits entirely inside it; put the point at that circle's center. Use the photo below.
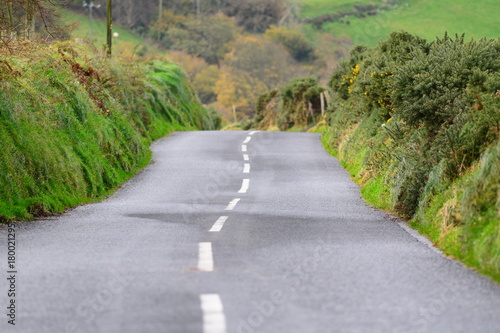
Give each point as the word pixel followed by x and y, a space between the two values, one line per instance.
pixel 255 65
pixel 204 83
pixel 257 15
pixel 266 61
pixel 239 89
pixel 20 18
pixel 206 37
pixel 294 41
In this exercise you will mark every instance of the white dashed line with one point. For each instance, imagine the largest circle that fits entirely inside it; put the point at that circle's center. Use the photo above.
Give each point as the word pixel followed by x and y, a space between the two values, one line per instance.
pixel 244 186
pixel 232 204
pixel 219 224
pixel 247 140
pixel 252 133
pixel 214 320
pixel 244 148
pixel 246 157
pixel 205 259
pixel 246 168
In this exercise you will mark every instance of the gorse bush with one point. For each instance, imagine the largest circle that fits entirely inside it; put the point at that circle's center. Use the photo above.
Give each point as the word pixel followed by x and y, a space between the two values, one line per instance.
pixel 74 125
pixel 427 117
pixel 296 104
pixel 436 86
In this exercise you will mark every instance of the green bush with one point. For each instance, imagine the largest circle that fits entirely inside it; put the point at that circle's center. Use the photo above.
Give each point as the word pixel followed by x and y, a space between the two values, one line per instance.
pixel 294 41
pixel 300 102
pixel 296 104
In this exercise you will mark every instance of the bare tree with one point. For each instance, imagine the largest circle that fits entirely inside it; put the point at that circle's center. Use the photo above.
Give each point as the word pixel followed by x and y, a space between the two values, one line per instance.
pixel 19 19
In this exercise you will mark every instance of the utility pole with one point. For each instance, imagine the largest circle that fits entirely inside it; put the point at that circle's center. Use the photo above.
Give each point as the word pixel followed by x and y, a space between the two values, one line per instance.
pixel 198 8
pixel 91 5
pixel 160 14
pixel 109 16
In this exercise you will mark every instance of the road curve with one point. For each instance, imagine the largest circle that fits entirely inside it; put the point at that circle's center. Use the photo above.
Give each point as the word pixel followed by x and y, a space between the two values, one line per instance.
pixel 238 232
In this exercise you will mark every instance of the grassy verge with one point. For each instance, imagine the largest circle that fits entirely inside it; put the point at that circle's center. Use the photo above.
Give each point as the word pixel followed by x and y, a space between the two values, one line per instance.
pixel 74 125
pixel 476 242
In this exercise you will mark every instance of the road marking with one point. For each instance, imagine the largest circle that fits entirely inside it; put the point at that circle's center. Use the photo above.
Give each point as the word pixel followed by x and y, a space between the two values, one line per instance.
pixel 244 186
pixel 246 168
pixel 244 148
pixel 246 157
pixel 232 204
pixel 252 133
pixel 205 259
pixel 214 320
pixel 219 224
pixel 247 140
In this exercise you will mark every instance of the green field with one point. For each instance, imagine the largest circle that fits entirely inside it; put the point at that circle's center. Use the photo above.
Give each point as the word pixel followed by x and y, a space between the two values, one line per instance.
pixel 426 18
pixel 127 43
pixel 313 8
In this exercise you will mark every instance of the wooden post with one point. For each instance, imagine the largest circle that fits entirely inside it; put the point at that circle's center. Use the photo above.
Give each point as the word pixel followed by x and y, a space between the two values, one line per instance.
pixel 10 20
pixel 322 97
pixel 91 6
pixel 234 113
pixel 160 17
pixel 29 21
pixel 109 16
pixel 327 97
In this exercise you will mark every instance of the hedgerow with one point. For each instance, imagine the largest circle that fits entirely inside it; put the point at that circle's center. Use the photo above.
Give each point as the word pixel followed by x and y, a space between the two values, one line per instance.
pixel 296 104
pixel 427 117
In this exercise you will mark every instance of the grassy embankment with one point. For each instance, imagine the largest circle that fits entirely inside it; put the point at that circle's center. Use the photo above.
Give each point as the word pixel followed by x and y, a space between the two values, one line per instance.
pixel 75 125
pixel 426 18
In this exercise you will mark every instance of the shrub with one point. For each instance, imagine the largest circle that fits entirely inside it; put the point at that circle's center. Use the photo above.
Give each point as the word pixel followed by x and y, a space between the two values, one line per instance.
pixel 294 41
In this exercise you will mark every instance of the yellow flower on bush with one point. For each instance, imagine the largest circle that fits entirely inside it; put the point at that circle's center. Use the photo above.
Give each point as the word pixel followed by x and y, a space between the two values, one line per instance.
pixel 355 71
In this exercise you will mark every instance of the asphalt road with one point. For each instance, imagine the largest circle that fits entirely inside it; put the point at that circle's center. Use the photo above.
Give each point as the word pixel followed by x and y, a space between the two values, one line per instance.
pixel 174 250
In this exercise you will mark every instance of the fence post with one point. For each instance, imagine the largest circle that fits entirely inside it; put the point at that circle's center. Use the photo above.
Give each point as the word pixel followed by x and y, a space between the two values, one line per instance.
pixel 322 97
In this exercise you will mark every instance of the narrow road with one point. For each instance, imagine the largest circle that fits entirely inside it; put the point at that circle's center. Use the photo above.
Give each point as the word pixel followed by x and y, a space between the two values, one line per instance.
pixel 238 232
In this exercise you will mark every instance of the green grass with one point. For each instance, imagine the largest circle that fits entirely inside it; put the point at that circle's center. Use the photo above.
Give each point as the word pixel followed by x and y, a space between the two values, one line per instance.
pixel 476 239
pixel 377 194
pixel 75 125
pixel 426 18
pixel 127 43
pixel 314 8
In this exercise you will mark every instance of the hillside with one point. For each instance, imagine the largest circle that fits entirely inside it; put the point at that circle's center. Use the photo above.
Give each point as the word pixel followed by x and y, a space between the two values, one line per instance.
pixel 426 18
pixel 126 44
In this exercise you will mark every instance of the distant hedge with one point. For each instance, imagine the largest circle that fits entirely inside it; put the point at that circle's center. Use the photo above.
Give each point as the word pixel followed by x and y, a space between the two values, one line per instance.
pixel 74 125
pixel 296 104
pixel 418 124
